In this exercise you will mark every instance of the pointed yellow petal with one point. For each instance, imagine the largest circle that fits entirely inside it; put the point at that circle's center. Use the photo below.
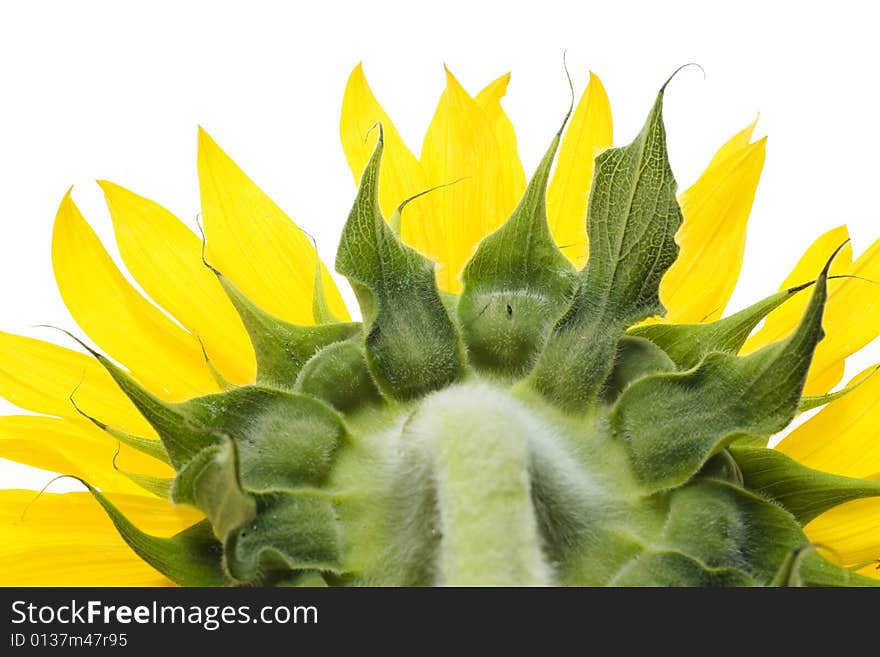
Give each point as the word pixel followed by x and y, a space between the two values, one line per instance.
pixel 712 237
pixel 160 354
pixel 852 314
pixel 68 540
pixel 39 376
pixel 164 256
pixel 489 100
pixel 843 437
pixel 461 143
pixel 851 530
pixel 588 134
pixel 401 175
pixel 255 244
pixel 64 447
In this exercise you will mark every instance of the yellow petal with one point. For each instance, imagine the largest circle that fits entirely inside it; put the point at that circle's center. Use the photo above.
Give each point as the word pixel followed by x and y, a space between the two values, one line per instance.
pixel 461 143
pixel 843 437
pixel 852 314
pixel 160 354
pixel 400 176
pixel 64 447
pixel 712 237
pixel 67 540
pixel 489 100
pixel 255 244
pixel 164 256
pixel 588 134
pixel 39 376
pixel 851 530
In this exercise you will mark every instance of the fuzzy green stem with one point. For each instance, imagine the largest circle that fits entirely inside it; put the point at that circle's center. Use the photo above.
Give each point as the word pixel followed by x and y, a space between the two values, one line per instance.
pixel 477 441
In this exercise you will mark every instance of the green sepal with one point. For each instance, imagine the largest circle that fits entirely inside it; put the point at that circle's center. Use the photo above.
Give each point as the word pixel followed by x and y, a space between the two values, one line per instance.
pixel 292 530
pixel 671 568
pixel 412 346
pixel 516 285
pixel 670 424
pixel 158 486
pixel 723 525
pixel 181 440
pixel 338 375
pixel 688 344
pixel 281 347
pixel 147 446
pixel 321 312
pixel 283 439
pixel 211 482
pixel 804 492
pixel 632 220
pixel 190 558
pixel 636 358
pixel 815 401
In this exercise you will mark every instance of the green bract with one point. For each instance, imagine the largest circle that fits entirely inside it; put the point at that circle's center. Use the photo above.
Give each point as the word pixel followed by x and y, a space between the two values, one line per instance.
pixel 531 430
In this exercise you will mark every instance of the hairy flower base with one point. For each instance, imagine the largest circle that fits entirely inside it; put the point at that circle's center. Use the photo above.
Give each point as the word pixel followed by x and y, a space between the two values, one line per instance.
pixel 528 431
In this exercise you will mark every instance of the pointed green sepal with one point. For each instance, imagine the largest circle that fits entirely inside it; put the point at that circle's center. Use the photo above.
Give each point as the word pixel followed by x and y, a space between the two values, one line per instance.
pixel 190 558
pixel 516 285
pixel 412 346
pixel 281 347
pixel 147 446
pixel 211 482
pixel 292 530
pixel 636 358
pixel 339 375
pixel 804 492
pixel 632 220
pixel 670 424
pixel 688 344
pixel 283 439
pixel 815 401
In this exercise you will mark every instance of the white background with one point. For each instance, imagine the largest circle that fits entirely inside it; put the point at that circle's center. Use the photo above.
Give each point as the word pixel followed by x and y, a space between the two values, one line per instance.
pixel 116 89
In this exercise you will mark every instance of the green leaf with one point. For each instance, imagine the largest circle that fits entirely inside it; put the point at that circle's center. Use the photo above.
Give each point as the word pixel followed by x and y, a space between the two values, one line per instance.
pixel 212 483
pixel 190 558
pixel 670 424
pixel 723 525
pixel 292 530
pixel 283 439
pixel 636 358
pixel 688 344
pixel 339 376
pixel 804 492
pixel 811 402
pixel 412 345
pixel 146 446
pixel 632 220
pixel 282 348
pixel 516 285
pixel 671 568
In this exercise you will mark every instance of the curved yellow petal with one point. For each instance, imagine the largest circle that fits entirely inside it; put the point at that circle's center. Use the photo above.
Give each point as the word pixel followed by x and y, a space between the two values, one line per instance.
pixel 844 437
pixel 39 376
pixel 712 237
pixel 164 256
pixel 160 354
pixel 851 530
pixel 588 134
pixel 460 143
pixel 255 244
pixel 400 176
pixel 64 447
pixel 852 314
pixel 68 540
pixel 489 100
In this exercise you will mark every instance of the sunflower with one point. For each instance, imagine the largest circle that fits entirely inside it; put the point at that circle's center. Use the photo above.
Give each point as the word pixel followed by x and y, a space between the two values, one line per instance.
pixel 249 319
